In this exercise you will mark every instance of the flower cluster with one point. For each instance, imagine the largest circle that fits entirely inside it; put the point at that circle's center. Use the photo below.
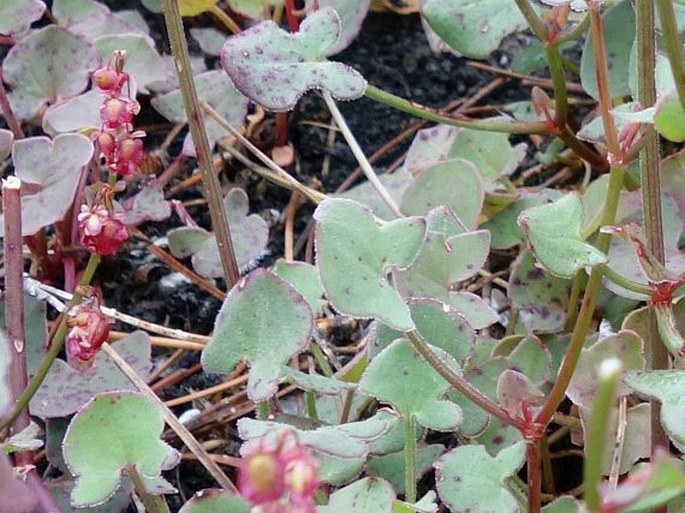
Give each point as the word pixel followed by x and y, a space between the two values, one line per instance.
pixel 101 230
pixel 88 329
pixel 117 143
pixel 280 477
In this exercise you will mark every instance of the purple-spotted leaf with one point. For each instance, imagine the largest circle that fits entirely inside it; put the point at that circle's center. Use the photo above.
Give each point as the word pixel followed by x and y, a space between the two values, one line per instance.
pixel 304 278
pixel 400 377
pixel 142 60
pixel 668 387
pixel 92 19
pixel 541 298
pixel 669 118
pixel 454 183
pixel 17 15
pixel 265 321
pixel 50 171
pixel 249 234
pixel 470 479
pixel 212 500
pixel 49 65
pixel 65 389
pixel 473 28
pixel 148 205
pixel 553 233
pixel 354 257
pixel 275 68
pixel 476 310
pixel 368 495
pixel 351 13
pixel 216 89
pixel 625 345
pixel 514 388
pixel 112 432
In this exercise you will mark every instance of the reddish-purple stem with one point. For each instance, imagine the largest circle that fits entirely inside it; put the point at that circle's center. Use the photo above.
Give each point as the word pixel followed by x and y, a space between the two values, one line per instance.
pixel 8 113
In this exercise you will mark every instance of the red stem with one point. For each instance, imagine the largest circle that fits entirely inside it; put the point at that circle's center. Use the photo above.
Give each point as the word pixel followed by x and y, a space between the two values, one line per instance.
pixel 8 113
pixel 534 471
pixel 293 21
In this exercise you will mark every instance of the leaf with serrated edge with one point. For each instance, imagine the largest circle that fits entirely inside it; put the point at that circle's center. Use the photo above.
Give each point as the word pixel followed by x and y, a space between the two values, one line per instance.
pixel 275 68
pixel 354 256
pixel 553 233
pixel 113 431
pixel 265 321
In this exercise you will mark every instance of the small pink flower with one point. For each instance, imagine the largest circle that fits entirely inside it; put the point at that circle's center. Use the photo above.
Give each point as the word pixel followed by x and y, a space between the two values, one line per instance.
pixel 88 329
pixel 108 79
pixel 261 476
pixel 105 143
pixel 102 232
pixel 118 112
pixel 129 154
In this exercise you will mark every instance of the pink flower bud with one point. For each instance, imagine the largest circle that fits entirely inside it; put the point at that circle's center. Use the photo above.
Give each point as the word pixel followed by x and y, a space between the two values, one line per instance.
pixel 101 231
pixel 105 143
pixel 117 112
pixel 109 80
pixel 261 477
pixel 88 329
pixel 129 155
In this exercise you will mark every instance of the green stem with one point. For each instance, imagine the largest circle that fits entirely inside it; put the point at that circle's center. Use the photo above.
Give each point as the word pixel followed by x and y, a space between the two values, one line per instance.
pixel 578 30
pixel 572 308
pixel 674 48
pixel 459 383
pixel 310 401
pixel 626 283
pixel 534 21
pixel 423 112
pixel 595 439
pixel 321 360
pixel 153 503
pixel 347 406
pixel 55 347
pixel 556 69
pixel 263 410
pixel 409 460
pixel 179 48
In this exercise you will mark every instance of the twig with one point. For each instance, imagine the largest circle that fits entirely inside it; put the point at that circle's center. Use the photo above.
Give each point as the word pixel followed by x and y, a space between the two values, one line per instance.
pixel 360 156
pixel 217 212
pixel 207 391
pixel 186 436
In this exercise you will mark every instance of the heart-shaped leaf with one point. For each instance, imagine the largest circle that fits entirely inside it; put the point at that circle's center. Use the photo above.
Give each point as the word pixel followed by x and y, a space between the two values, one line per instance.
pixel 49 65
pixel 114 431
pixel 667 386
pixel 368 495
pixel 17 15
pixel 212 500
pixel 249 234
pixel 473 28
pixel 553 232
pixel 354 256
pixel 265 321
pixel 61 489
pixel 540 297
pixel 91 19
pixel 148 205
pixel 274 68
pixel 625 345
pixel 454 183
pixel 216 89
pixel 400 377
pixel 469 479
pixel 65 389
pixel 50 172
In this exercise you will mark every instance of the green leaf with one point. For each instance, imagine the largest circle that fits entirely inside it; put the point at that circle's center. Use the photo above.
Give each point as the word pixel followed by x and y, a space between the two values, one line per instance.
pixel 368 495
pixel 541 298
pixel 468 478
pixel 619 32
pixel 17 15
pixel 37 76
pixel 61 489
pixel 553 232
pixel 147 205
pixel 215 88
pixel 474 28
pixel 625 345
pixel 213 500
pixel 92 19
pixel 454 183
pixel 391 467
pixel 304 278
pixel 249 234
pixel 402 378
pixel 564 504
pixel 275 68
pixel 6 140
pixel 667 386
pixel 65 389
pixel 114 431
pixel 354 256
pixel 669 118
pixel 352 14
pixel 265 321
pixel 50 171
pixel 195 7
pixel 365 193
